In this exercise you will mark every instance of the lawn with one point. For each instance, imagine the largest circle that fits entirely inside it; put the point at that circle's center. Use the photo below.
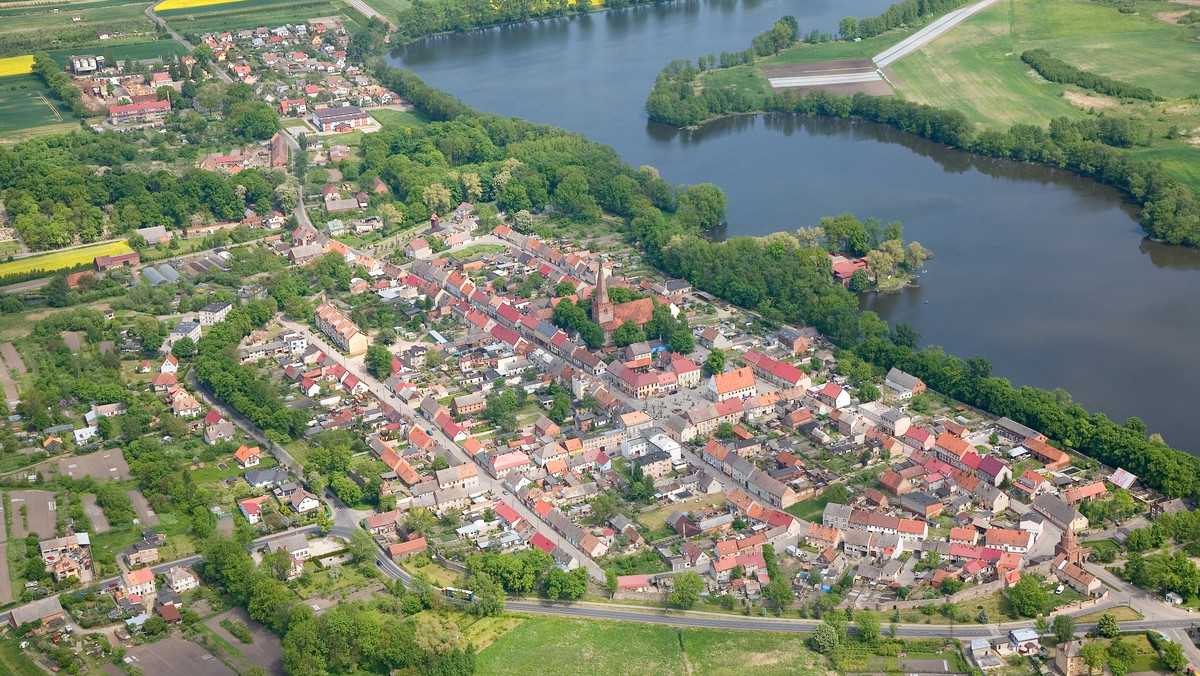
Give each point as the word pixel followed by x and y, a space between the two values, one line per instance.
pixel 1181 161
pixel 1122 613
pixel 441 576
pixel 13 660
pixel 656 519
pixel 477 250
pixel 63 259
pixel 25 102
pixel 809 510
pixel 562 646
pixel 387 116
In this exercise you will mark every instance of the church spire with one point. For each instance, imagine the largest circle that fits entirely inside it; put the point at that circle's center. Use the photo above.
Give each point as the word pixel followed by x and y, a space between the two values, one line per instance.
pixel 602 307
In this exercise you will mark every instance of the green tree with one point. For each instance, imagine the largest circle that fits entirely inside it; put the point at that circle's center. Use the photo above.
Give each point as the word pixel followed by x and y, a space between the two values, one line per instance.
pixel 610 580
pixel 1122 651
pixel 848 28
pixel 779 591
pixel 682 341
pixel 628 333
pixel 701 207
pixel 183 348
pixel 1172 656
pixel 379 361
pixel 725 431
pixel 1064 628
pixel 1028 598
pixel 361 545
pixel 1042 625
pixel 58 293
pixel 868 626
pixel 715 362
pixel 688 586
pixel 824 639
pixel 1093 654
pixel 1108 627
pixel 564 289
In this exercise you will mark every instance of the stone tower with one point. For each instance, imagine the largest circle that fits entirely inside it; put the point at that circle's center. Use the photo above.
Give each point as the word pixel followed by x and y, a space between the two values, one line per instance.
pixel 602 307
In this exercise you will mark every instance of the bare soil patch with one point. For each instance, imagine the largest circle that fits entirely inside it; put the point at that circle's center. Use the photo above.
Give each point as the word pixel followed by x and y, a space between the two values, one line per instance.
pixel 5 584
pixel 842 67
pixel 265 651
pixel 41 513
pixel 102 466
pixel 1088 101
pixel 11 358
pixel 175 655
pixel 93 511
pixel 149 518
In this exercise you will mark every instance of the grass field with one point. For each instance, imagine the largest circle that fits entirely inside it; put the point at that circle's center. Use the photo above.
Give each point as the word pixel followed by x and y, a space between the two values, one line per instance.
pixel 390 8
pixel 656 519
pixel 63 259
pixel 25 102
pixel 251 14
pixel 976 68
pixel 398 117
pixel 13 660
pixel 162 50
pixel 1122 613
pixel 561 646
pixel 33 28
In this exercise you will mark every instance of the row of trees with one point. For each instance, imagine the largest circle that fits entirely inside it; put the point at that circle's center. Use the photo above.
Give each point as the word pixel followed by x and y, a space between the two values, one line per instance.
pixel 60 82
pixel 1055 69
pixel 237 384
pixel 429 17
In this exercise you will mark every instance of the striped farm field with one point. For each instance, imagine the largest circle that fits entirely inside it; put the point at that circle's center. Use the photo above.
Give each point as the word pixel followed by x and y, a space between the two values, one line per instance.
pixel 58 260
pixel 16 65
pixel 190 4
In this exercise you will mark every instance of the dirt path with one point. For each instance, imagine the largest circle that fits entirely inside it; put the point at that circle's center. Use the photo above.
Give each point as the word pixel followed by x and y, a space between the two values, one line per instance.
pixel 93 511
pixel 149 518
pixel 5 584
pixel 12 360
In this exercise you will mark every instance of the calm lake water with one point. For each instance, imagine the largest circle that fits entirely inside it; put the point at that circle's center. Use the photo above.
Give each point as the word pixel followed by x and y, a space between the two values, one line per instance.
pixel 1042 272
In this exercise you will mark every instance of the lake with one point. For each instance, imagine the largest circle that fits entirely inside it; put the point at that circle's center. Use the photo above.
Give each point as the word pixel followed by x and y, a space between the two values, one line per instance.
pixel 1044 273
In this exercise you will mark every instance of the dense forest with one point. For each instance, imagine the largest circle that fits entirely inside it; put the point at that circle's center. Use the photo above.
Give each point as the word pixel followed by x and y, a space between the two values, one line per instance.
pixel 787 277
pixel 82 186
pixel 1055 69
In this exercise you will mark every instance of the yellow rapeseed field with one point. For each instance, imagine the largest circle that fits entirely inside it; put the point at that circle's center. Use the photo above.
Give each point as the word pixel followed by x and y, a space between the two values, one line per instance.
pixel 188 4
pixel 57 260
pixel 16 65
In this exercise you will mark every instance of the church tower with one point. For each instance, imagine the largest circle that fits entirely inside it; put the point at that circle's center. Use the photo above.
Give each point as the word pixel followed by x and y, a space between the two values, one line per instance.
pixel 602 307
